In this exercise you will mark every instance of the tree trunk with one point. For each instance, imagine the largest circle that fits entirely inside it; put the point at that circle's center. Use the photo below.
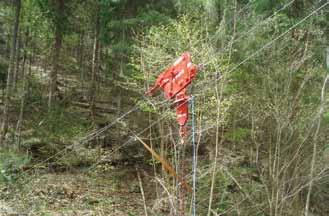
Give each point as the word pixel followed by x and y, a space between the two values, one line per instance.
pixel 80 56
pixel 4 126
pixel 327 58
pixel 56 54
pixel 23 96
pixel 95 67
pixel 8 41
pixel 16 70
pixel 29 72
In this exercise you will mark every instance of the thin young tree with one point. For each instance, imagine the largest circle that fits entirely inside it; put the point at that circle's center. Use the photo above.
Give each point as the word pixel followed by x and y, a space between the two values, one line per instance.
pixel 95 63
pixel 17 63
pixel 315 140
pixel 24 92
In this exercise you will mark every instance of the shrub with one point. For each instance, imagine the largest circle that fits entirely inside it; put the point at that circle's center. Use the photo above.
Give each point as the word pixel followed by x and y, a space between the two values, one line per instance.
pixel 11 164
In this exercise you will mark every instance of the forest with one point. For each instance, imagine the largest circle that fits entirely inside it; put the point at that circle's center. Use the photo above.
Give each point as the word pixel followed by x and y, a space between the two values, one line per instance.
pixel 164 107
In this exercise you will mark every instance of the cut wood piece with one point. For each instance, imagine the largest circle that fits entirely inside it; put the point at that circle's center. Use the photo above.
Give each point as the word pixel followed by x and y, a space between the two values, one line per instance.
pixel 166 165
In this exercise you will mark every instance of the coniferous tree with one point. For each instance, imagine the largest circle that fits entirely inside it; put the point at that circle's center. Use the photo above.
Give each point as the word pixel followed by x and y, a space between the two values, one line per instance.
pixel 5 116
pixel 59 7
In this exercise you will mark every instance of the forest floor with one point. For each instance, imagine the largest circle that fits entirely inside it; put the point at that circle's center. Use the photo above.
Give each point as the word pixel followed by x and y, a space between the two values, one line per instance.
pixel 115 191
pixel 103 190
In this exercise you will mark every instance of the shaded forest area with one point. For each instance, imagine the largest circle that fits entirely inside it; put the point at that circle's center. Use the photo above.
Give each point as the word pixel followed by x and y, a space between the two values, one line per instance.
pixel 74 114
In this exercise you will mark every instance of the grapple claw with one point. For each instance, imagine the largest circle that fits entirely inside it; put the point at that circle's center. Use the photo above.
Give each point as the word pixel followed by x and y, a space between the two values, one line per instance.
pixel 174 81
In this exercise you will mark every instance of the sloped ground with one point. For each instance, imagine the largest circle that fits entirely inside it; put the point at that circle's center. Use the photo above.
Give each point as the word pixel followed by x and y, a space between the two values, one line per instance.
pixel 116 193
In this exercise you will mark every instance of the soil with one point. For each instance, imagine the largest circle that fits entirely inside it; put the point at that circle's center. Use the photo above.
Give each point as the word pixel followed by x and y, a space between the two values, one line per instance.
pixel 111 191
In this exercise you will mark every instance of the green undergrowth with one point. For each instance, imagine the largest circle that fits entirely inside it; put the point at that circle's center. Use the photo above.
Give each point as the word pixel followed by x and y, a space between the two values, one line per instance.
pixel 11 164
pixel 236 188
pixel 51 132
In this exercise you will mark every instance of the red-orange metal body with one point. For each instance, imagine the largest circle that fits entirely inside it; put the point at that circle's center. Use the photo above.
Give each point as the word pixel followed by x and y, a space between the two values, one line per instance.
pixel 174 81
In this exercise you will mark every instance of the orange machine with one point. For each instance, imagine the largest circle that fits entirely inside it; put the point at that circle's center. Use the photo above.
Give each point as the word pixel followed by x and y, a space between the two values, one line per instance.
pixel 174 81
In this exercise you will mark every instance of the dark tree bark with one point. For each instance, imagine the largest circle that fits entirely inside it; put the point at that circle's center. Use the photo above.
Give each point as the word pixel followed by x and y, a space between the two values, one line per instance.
pixel 8 41
pixel 56 53
pixel 5 117
pixel 16 70
pixel 24 93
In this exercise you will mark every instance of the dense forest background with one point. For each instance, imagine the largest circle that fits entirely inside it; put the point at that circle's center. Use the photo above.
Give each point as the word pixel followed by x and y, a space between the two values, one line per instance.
pixel 73 76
